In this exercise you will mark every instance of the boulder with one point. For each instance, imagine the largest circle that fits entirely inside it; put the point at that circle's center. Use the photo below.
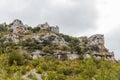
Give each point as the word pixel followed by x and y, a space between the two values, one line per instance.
pixel 72 56
pixel 97 42
pixel 97 39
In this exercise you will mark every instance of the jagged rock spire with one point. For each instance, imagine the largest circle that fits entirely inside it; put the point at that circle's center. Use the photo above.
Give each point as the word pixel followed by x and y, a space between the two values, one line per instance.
pixel 16 24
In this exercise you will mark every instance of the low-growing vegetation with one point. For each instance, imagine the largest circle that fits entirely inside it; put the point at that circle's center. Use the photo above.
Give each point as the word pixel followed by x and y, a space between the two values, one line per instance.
pixel 51 68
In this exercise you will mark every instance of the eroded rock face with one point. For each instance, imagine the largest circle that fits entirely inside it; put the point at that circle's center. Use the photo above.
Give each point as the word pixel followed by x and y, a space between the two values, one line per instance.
pixel 14 38
pixel 54 29
pixel 17 23
pixel 43 26
pixel 17 26
pixel 97 39
pixel 97 42
pixel 46 26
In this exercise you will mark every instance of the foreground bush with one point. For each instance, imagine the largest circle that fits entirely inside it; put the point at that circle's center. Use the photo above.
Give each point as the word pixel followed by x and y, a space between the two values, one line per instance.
pixel 16 58
pixel 51 68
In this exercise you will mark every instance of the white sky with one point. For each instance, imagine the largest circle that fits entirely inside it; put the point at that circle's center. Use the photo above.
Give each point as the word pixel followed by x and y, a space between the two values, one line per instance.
pixel 109 15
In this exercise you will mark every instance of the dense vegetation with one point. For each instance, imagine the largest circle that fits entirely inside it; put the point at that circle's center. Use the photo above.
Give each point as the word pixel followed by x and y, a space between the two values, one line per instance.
pixel 52 68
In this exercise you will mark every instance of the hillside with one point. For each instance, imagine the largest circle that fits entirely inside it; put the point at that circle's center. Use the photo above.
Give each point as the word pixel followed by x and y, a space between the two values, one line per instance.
pixel 42 53
pixel 46 40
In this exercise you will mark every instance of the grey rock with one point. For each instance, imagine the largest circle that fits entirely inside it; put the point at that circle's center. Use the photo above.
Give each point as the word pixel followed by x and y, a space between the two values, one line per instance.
pixel 97 43
pixel 12 37
pixel 97 39
pixel 87 55
pixel 54 29
pixel 17 26
pixel 34 72
pixel 72 56
pixel 46 26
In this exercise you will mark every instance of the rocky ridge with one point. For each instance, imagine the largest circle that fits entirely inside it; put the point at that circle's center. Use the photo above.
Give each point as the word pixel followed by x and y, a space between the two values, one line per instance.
pixel 44 35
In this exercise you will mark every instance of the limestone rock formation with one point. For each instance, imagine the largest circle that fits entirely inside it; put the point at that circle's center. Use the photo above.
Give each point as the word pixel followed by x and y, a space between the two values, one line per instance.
pixel 17 26
pixel 96 43
pixel 97 40
pixel 54 29
pixel 46 26
pixel 34 40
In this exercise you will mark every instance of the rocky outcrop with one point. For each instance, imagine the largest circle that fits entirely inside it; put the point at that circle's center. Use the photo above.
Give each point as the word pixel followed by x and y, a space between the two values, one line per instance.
pixel 104 55
pixel 13 38
pixel 54 29
pixel 96 44
pixel 45 35
pixel 17 26
pixel 97 41
pixel 46 26
pixel 55 39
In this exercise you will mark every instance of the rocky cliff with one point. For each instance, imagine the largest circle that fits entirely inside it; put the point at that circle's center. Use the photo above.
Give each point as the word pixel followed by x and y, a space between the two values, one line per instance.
pixel 45 40
pixel 96 43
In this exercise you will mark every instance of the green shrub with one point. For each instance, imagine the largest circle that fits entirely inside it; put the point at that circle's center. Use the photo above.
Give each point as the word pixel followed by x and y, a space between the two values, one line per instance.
pixel 32 76
pixel 44 67
pixel 51 75
pixel 15 58
pixel 47 49
pixel 35 62
pixel 36 29
pixel 39 69
pixel 2 28
pixel 23 70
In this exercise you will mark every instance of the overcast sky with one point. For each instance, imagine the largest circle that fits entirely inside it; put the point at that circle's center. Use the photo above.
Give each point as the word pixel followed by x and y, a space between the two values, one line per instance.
pixel 74 17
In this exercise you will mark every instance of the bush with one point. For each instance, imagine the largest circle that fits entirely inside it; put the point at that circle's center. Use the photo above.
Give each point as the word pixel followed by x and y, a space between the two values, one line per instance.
pixel 51 75
pixel 39 69
pixel 35 62
pixel 15 57
pixel 23 71
pixel 28 68
pixel 32 76
pixel 2 28
pixel 45 67
pixel 47 49
pixel 36 29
